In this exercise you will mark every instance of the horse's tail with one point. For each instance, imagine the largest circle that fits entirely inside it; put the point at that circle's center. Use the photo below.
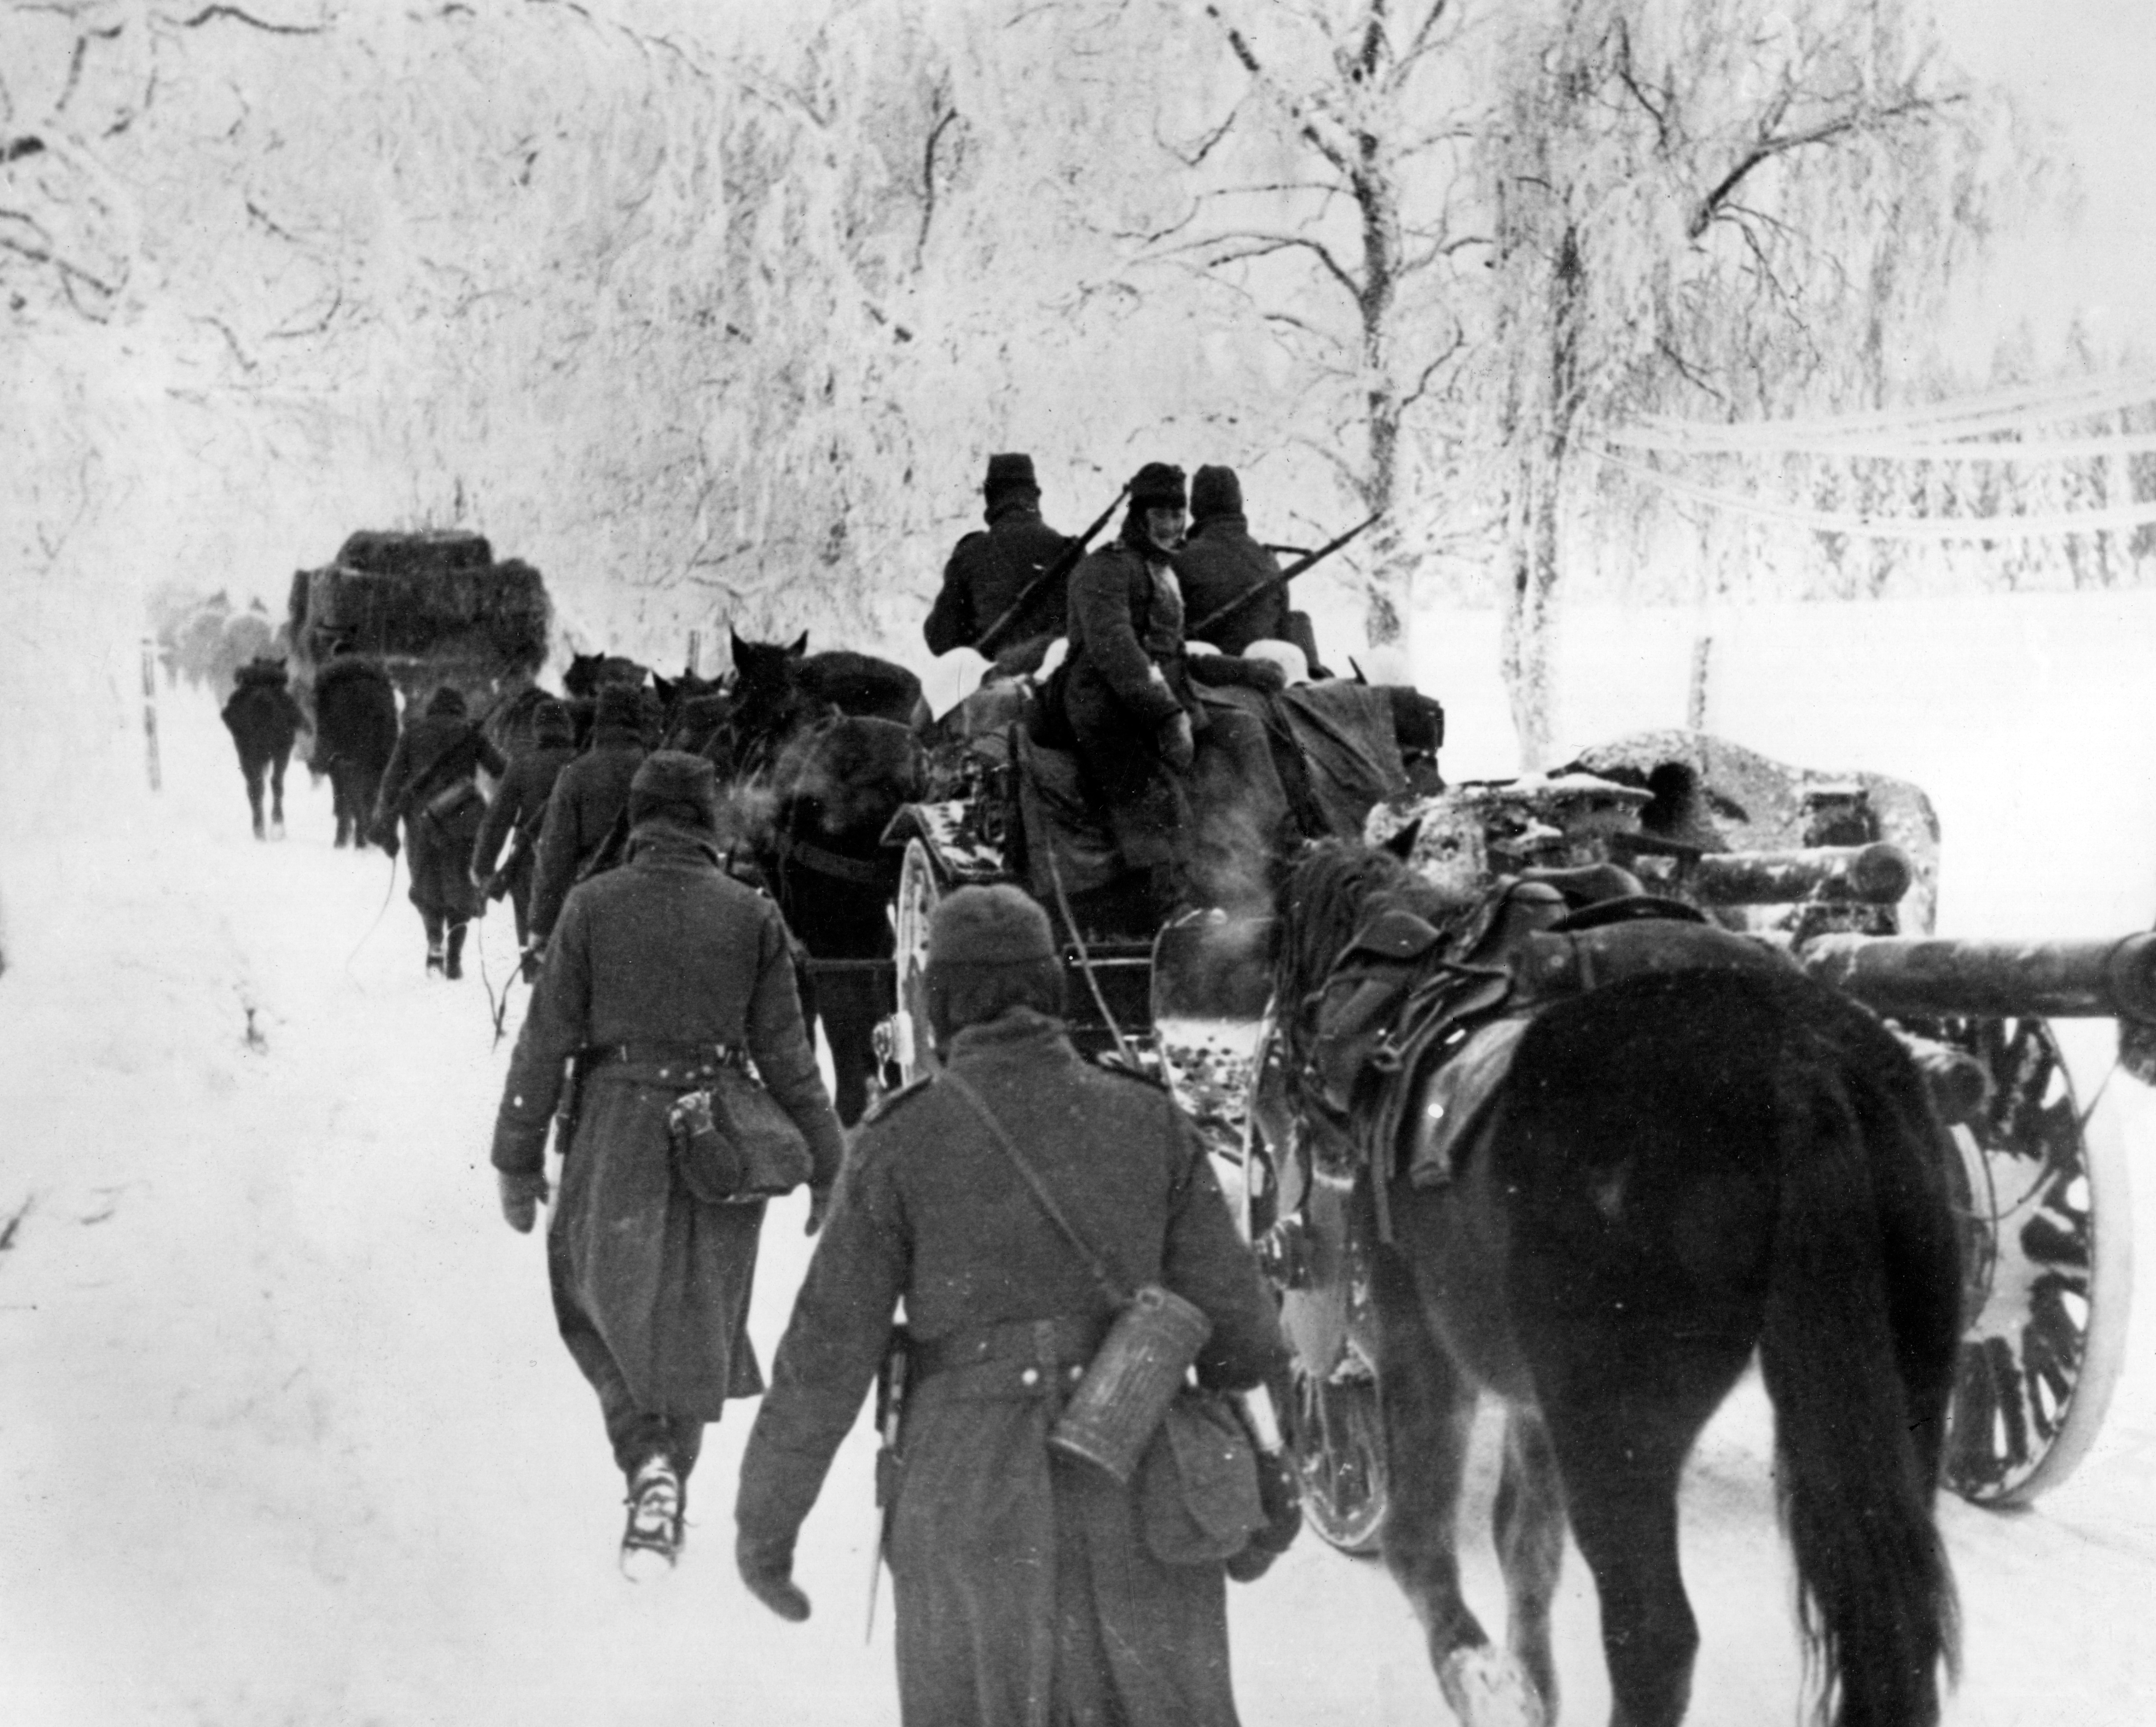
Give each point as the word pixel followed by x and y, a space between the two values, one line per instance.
pixel 1857 1352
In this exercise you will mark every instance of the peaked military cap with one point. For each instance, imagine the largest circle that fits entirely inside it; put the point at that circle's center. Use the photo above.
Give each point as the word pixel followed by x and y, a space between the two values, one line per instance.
pixel 1009 473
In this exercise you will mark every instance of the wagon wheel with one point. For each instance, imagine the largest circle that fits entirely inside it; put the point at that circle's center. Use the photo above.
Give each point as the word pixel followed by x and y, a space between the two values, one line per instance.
pixel 2049 1273
pixel 1333 1428
pixel 920 887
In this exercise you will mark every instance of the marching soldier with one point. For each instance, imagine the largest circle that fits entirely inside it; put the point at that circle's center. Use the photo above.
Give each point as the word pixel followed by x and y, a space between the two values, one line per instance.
pixel 1026 1590
pixel 429 784
pixel 658 970
pixel 518 809
pixel 587 801
pixel 991 571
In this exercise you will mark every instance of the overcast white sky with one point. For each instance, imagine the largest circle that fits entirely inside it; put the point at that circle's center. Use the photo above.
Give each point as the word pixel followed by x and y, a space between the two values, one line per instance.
pixel 2088 68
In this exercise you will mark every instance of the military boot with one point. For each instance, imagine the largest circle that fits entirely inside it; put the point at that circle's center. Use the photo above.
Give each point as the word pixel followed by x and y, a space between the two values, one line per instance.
pixel 435 960
pixel 454 960
pixel 652 1541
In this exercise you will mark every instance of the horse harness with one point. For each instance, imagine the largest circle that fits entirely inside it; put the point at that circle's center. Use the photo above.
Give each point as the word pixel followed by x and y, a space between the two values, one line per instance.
pixel 1407 998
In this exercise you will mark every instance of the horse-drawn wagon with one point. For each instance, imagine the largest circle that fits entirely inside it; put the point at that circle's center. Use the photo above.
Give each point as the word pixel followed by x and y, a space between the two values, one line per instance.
pixel 430 607
pixel 1836 872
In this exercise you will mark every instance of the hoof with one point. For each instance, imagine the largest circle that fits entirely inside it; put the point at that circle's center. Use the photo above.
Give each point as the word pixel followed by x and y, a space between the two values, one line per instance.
pixel 1487 1688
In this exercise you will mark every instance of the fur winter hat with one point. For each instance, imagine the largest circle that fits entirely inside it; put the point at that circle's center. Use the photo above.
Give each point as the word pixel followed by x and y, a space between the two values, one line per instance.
pixel 1009 473
pixel 989 927
pixel 448 699
pixel 1214 491
pixel 551 723
pixel 1158 485
pixel 619 705
pixel 673 782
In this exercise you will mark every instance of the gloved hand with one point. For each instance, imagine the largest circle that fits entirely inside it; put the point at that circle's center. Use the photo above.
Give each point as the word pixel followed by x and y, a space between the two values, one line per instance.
pixel 767 1566
pixel 1279 1496
pixel 819 1208
pixel 1177 744
pixel 522 1193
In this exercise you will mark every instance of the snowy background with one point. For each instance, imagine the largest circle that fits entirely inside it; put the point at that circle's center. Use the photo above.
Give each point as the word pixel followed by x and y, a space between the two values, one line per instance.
pixel 287 1435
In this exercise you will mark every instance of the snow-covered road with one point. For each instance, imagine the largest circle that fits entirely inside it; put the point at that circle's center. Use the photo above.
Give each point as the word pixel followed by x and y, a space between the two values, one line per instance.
pixel 286 1435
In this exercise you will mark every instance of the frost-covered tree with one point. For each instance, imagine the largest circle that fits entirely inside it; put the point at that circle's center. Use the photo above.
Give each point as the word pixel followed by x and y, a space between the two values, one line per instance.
pixel 1724 207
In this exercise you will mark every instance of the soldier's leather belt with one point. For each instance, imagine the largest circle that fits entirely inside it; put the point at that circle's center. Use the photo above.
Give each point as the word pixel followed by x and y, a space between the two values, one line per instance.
pixel 668 1060
pixel 1025 1358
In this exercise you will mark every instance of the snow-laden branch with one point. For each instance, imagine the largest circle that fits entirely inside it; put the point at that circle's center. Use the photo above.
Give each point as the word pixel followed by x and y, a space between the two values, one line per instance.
pixel 1770 145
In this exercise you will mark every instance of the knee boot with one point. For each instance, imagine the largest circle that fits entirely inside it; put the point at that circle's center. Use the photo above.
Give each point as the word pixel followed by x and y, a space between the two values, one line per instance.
pixel 455 958
pixel 433 924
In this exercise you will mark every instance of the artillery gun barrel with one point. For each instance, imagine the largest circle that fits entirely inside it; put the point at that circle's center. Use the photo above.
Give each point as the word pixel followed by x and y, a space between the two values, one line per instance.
pixel 1875 874
pixel 1930 975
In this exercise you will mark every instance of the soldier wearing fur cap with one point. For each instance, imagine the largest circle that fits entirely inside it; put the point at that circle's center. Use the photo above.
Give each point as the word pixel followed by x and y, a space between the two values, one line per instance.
pixel 429 784
pixel 1026 1586
pixel 990 570
pixel 659 971
pixel 1125 694
pixel 587 801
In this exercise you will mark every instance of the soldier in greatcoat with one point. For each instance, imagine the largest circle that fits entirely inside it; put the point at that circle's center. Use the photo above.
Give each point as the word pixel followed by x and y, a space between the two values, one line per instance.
pixel 657 971
pixel 1026 1590
pixel 1220 565
pixel 1125 691
pixel 518 810
pixel 587 801
pixel 991 569
pixel 428 785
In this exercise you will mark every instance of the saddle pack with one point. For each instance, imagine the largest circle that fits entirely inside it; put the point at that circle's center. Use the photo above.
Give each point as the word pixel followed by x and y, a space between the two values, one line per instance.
pixel 1408 1001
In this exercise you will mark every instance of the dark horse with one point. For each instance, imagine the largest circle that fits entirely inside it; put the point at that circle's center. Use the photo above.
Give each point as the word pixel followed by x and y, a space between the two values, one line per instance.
pixel 1680 1167
pixel 355 733
pixel 264 721
pixel 819 750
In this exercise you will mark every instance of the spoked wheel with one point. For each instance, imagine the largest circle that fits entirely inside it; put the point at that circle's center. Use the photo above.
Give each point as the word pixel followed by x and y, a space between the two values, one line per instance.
pixel 920 887
pixel 2048 1273
pixel 1300 1222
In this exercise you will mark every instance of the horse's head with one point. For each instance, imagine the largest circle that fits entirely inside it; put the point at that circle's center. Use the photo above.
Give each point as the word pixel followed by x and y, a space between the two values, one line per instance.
pixel 582 677
pixel 768 703
pixel 847 779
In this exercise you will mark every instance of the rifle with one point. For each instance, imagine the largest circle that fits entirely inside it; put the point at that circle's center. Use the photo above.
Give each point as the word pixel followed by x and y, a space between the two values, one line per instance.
pixel 1198 629
pixel 1066 560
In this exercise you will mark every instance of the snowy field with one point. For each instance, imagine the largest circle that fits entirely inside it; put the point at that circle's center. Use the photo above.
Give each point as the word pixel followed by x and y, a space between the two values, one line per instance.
pixel 287 1436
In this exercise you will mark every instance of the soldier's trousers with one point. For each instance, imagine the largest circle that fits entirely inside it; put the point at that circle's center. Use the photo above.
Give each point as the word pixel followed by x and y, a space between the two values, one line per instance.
pixel 635 1434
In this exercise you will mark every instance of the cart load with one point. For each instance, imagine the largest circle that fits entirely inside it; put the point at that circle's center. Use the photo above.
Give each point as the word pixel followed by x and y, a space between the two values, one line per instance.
pixel 430 607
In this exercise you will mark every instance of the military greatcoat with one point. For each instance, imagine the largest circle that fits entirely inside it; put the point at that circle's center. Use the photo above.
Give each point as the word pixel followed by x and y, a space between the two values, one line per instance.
pixel 1217 565
pixel 518 808
pixel 1025 1591
pixel 667 949
pixel 987 573
pixel 586 800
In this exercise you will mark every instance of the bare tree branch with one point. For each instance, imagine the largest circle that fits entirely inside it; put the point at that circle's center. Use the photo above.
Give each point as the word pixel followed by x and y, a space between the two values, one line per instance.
pixel 1771 145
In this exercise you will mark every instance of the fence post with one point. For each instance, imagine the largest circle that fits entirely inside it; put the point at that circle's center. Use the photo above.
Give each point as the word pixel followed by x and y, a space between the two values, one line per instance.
pixel 1702 655
pixel 150 710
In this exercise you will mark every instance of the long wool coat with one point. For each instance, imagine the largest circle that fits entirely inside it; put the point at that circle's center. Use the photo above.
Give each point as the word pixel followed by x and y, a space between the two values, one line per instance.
pixel 587 798
pixel 1123 678
pixel 1218 564
pixel 987 572
pixel 665 948
pixel 1025 1592
pixel 433 753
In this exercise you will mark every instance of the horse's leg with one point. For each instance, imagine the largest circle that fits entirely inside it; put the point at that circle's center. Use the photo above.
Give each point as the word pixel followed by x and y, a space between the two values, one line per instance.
pixel 251 767
pixel 1428 1406
pixel 340 802
pixel 852 1058
pixel 277 766
pixel 1621 1453
pixel 1530 1530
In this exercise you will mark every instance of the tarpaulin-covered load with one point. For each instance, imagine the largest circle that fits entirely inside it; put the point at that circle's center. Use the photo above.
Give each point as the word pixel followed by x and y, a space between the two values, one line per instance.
pixel 434 607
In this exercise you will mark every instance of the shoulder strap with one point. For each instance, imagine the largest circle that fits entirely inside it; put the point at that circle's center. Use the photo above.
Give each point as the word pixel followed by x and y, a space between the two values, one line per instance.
pixel 1117 1293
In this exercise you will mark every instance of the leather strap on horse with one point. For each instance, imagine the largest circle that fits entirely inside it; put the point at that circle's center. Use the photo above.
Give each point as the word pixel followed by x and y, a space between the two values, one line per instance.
pixel 864 872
